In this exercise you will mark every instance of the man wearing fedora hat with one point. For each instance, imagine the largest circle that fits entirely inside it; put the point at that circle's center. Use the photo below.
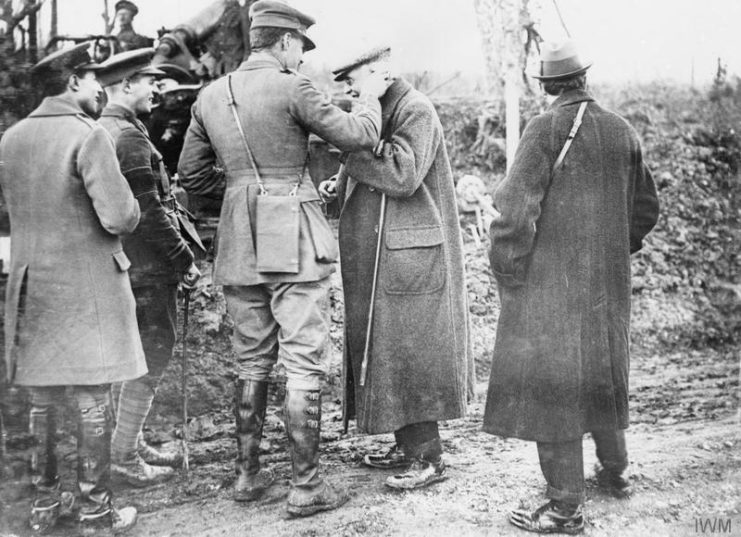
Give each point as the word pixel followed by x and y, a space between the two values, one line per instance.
pixel 127 37
pixel 69 311
pixel 275 250
pixel 160 258
pixel 406 326
pixel 576 203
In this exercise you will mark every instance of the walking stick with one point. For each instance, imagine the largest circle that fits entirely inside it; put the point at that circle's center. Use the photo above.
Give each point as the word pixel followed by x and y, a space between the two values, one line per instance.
pixel 371 309
pixel 183 381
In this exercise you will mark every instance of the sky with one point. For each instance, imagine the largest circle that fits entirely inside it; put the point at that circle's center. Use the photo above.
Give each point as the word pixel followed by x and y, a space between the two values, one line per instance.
pixel 628 40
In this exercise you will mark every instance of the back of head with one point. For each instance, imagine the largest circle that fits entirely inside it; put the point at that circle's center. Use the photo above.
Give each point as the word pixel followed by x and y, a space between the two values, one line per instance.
pixel 271 19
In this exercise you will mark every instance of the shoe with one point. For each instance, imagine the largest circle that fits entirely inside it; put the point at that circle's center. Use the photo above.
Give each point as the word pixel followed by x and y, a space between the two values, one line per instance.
pixel 155 457
pixel 303 502
pixel 419 474
pixel 393 458
pixel 310 493
pixel 613 483
pixel 249 488
pixel 107 521
pixel 138 473
pixel 249 412
pixel 551 517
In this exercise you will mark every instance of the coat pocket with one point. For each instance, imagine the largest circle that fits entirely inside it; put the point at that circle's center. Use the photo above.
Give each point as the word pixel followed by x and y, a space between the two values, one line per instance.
pixel 122 261
pixel 414 261
pixel 322 238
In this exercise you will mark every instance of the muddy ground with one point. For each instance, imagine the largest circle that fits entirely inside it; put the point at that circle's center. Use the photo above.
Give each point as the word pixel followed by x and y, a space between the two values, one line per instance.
pixel 684 445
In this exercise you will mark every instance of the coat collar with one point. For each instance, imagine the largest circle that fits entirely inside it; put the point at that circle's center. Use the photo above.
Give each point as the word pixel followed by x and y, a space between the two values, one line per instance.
pixel 260 60
pixel 571 97
pixel 120 111
pixel 391 98
pixel 60 105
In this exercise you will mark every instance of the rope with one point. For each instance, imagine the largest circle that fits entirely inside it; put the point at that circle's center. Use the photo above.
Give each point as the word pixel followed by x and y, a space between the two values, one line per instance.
pixel 558 11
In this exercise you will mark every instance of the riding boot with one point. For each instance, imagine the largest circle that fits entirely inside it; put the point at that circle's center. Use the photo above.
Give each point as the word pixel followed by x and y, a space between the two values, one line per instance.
pixel 249 410
pixel 310 493
pixel 97 515
pixel 46 506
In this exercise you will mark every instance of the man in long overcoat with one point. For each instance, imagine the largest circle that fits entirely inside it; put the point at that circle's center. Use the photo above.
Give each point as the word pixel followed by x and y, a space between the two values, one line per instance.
pixel 275 250
pixel 417 364
pixel 160 258
pixel 69 310
pixel 561 254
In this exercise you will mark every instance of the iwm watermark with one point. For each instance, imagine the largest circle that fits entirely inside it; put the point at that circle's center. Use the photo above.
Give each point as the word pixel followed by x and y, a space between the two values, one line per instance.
pixel 715 525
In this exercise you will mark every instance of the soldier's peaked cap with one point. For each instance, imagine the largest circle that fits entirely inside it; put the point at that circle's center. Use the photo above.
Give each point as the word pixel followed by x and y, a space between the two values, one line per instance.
pixel 368 55
pixel 126 4
pixel 127 64
pixel 276 14
pixel 77 58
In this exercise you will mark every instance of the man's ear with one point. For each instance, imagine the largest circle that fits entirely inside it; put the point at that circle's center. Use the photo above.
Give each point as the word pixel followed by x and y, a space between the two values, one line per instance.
pixel 286 40
pixel 126 85
pixel 73 82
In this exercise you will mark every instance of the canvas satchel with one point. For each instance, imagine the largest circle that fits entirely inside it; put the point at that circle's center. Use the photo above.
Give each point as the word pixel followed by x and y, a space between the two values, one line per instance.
pixel 277 218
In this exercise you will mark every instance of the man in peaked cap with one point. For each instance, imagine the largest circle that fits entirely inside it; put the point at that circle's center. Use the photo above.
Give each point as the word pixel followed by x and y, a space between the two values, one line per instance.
pixel 128 39
pixel 418 368
pixel 160 256
pixel 571 213
pixel 276 289
pixel 69 311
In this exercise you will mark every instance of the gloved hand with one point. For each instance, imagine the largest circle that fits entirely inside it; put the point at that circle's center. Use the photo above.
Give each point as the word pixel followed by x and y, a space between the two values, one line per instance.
pixel 190 277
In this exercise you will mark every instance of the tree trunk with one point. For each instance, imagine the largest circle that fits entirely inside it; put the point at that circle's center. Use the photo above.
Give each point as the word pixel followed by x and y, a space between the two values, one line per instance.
pixel 504 26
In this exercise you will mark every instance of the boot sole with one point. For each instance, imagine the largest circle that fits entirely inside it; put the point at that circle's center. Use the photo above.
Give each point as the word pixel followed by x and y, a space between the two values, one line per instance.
pixel 402 486
pixel 308 510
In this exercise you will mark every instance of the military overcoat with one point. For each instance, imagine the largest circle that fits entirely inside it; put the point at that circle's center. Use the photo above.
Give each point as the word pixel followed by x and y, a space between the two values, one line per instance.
pixel 561 254
pixel 277 108
pixel 69 309
pixel 419 364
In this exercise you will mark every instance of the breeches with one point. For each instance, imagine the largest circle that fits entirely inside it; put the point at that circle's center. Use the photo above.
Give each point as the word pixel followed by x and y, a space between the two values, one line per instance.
pixel 156 313
pixel 562 463
pixel 281 321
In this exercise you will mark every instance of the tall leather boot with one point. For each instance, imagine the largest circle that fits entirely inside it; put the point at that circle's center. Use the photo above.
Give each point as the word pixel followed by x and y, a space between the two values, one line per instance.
pixel 309 493
pixel 47 505
pixel 249 409
pixel 97 515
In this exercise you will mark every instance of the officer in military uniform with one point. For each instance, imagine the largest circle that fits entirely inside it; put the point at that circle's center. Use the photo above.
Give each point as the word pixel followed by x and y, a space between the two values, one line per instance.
pixel 69 310
pixel 275 250
pixel 160 259
pixel 128 39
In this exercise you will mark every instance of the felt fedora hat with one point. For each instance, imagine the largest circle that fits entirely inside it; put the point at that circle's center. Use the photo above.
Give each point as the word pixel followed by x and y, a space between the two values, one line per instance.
pixel 560 60
pixel 276 14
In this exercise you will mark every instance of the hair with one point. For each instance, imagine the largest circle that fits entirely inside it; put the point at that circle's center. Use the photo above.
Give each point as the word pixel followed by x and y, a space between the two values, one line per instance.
pixel 265 37
pixel 53 82
pixel 557 87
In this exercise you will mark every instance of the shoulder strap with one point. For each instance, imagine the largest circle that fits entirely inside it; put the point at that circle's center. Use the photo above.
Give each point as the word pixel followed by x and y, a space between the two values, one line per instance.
pixel 233 105
pixel 570 138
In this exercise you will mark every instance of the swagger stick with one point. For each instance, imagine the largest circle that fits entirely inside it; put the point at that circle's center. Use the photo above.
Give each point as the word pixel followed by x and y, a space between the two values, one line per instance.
pixel 371 309
pixel 183 381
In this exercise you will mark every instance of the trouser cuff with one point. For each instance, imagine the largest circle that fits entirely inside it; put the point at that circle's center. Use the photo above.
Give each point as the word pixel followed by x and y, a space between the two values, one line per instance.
pixel 309 384
pixel 574 498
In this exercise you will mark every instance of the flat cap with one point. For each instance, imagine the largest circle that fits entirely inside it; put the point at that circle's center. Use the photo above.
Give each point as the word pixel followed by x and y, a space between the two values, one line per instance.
pixel 276 14
pixel 69 60
pixel 127 64
pixel 126 4
pixel 367 55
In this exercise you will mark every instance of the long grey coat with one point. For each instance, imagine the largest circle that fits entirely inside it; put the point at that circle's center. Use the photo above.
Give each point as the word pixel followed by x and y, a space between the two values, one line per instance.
pixel 562 259
pixel 419 362
pixel 69 311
